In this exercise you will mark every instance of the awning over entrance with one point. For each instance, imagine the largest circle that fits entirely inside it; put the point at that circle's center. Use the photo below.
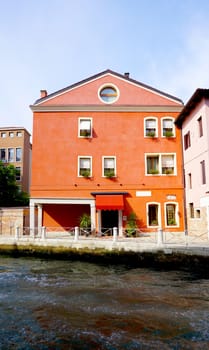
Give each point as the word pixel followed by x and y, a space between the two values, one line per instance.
pixel 109 202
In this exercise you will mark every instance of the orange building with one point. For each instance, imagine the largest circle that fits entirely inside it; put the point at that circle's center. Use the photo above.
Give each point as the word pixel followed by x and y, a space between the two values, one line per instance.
pixel 15 149
pixel 107 146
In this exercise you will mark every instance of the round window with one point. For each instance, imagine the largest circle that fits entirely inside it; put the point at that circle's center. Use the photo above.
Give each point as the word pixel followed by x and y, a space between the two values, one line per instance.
pixel 108 94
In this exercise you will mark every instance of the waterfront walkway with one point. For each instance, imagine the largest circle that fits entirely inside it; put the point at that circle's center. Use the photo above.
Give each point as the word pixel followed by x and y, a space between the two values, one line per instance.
pixel 154 242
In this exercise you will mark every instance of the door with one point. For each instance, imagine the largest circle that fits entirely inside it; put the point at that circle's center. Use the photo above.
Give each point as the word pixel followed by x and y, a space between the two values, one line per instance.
pixel 109 220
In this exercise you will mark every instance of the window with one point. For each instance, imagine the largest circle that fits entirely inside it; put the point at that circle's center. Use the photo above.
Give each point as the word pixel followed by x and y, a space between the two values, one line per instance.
pixel 200 126
pixel 18 173
pixel 153 165
pixel 109 167
pixel 19 134
pixel 187 140
pixel 85 127
pixel 167 164
pixel 108 94
pixel 167 127
pixel 171 214
pixel 3 134
pixel 150 127
pixel 203 173
pixel 153 214
pixel 11 153
pixel 18 154
pixel 160 164
pixel 84 166
pixel 191 210
pixel 190 180
pixel 11 134
pixel 198 213
pixel 3 155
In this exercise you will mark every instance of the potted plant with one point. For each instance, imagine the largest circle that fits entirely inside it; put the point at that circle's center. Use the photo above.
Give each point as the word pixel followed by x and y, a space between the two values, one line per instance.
pixel 85 223
pixel 153 171
pixel 168 133
pixel 171 222
pixel 131 225
pixel 85 173
pixel 110 173
pixel 169 171
pixel 85 133
pixel 151 133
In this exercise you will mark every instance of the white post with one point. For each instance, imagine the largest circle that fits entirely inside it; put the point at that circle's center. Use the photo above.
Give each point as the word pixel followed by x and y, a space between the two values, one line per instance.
pixel 43 232
pixel 93 216
pixel 40 218
pixel 76 234
pixel 120 223
pixel 160 236
pixel 115 234
pixel 32 219
pixel 17 233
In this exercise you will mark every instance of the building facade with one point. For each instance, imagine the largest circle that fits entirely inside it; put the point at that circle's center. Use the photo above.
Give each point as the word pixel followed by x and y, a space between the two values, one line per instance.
pixel 15 149
pixel 194 123
pixel 107 146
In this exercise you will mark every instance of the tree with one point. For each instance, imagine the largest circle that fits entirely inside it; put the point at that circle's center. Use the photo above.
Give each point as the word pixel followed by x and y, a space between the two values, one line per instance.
pixel 10 194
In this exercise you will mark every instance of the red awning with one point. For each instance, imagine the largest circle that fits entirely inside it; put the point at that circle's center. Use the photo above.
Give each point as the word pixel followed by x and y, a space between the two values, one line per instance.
pixel 109 202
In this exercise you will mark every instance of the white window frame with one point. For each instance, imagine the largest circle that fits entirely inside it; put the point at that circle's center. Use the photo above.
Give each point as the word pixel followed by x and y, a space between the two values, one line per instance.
pixel 103 165
pixel 79 165
pixel 3 135
pixel 108 85
pixel 158 214
pixel 5 159
pixel 145 126
pixel 18 160
pixel 176 214
pixel 11 160
pixel 85 119
pixel 160 156
pixel 173 126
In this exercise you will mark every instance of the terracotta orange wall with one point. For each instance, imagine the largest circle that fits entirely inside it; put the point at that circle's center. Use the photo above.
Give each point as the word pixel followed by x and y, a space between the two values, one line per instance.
pixel 56 148
pixel 63 215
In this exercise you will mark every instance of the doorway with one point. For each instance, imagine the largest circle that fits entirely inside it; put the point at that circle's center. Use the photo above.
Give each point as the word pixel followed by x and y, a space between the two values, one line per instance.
pixel 109 219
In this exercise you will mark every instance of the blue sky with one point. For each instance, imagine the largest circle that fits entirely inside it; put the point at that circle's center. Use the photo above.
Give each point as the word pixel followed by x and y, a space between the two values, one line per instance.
pixel 50 44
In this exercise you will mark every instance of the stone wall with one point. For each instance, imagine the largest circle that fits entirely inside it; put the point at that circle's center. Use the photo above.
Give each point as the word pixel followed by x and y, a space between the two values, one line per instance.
pixel 198 226
pixel 10 218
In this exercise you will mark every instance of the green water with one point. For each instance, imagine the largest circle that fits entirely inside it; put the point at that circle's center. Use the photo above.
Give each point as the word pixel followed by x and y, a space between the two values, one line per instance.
pixel 77 305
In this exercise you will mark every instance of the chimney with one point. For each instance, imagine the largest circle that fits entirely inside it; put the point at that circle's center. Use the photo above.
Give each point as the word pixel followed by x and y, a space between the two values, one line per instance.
pixel 127 75
pixel 43 93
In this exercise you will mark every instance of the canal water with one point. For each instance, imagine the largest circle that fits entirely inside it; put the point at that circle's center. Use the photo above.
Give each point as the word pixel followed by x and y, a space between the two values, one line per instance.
pixel 50 304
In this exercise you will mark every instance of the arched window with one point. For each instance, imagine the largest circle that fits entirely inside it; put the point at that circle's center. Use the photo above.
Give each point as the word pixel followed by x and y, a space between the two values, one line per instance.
pixel 171 214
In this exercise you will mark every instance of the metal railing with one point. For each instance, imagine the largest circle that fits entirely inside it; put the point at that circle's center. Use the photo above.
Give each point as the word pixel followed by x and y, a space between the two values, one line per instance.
pixel 139 235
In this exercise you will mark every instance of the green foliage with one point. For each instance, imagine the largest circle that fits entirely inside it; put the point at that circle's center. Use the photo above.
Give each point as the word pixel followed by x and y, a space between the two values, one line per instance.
pixel 131 225
pixel 85 221
pixel 10 194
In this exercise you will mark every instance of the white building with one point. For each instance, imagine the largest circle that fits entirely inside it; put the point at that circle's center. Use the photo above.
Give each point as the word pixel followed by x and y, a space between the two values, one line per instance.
pixel 194 122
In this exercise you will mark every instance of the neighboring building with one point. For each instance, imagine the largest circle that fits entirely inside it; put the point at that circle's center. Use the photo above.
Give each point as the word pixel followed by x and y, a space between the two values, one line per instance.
pixel 15 149
pixel 107 146
pixel 194 122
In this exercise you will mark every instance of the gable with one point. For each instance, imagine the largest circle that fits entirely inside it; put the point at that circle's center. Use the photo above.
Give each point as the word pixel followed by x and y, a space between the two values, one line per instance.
pixel 129 93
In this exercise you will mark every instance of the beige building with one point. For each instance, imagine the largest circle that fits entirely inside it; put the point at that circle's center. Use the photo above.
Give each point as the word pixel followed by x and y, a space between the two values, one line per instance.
pixel 15 149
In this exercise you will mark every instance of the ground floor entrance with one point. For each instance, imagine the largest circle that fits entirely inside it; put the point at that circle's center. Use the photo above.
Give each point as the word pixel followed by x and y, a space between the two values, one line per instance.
pixel 109 219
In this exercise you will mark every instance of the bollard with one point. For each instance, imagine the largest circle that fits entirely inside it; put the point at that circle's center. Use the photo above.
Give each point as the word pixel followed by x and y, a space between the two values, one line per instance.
pixel 115 234
pixel 17 233
pixel 43 232
pixel 160 236
pixel 76 234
